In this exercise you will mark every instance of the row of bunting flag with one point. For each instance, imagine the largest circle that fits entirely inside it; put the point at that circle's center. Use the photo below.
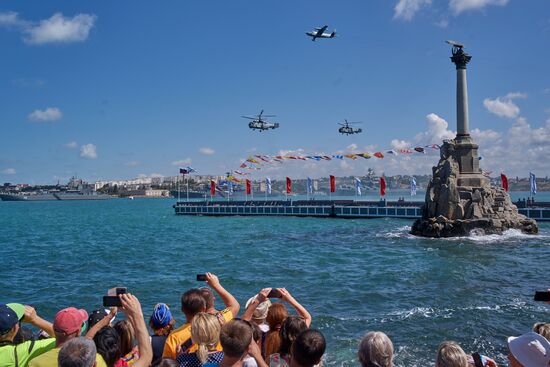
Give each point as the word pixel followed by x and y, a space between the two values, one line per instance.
pixel 332 180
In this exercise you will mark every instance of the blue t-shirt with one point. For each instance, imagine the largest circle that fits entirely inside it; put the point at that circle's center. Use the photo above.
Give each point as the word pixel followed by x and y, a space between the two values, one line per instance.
pixel 191 360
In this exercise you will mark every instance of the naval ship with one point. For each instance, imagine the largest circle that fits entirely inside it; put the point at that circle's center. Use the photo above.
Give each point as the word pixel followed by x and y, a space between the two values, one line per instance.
pixel 76 189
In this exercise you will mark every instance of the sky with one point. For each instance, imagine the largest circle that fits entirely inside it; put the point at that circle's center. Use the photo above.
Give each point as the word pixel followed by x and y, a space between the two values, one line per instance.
pixel 117 90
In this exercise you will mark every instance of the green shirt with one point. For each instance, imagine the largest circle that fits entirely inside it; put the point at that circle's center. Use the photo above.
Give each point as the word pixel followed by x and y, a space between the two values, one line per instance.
pixel 7 352
pixel 49 359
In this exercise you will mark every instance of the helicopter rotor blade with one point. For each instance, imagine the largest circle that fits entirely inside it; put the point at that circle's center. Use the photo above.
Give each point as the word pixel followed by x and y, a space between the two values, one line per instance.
pixel 248 117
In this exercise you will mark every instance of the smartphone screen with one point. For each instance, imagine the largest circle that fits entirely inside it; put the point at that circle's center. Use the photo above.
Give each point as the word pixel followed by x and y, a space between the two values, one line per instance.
pixel 542 296
pixel 201 277
pixel 274 293
pixel 478 361
pixel 111 301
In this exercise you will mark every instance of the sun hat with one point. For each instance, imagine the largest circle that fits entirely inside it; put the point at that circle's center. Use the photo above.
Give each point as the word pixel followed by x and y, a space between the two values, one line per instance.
pixel 531 349
pixel 260 312
pixel 161 315
pixel 69 320
pixel 10 314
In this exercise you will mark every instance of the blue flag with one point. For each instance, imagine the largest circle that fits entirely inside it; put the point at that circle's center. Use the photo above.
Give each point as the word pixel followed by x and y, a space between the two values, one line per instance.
pixel 358 186
pixel 533 183
pixel 413 186
pixel 309 186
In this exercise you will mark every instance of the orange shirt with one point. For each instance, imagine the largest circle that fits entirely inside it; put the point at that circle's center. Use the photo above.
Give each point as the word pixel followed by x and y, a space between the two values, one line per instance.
pixel 183 334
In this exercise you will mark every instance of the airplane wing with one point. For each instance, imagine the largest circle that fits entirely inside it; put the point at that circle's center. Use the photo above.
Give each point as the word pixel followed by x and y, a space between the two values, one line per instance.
pixel 321 30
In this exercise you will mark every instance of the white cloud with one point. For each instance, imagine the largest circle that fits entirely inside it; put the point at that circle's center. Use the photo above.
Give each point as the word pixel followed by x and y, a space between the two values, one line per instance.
pixel 458 6
pixel 206 151
pixel 8 171
pixel 56 29
pixel 132 164
pixel 49 114
pixel 72 145
pixel 182 162
pixel 400 144
pixel 437 131
pixel 442 23
pixel 88 151
pixel 504 106
pixel 156 175
pixel 406 9
pixel 352 147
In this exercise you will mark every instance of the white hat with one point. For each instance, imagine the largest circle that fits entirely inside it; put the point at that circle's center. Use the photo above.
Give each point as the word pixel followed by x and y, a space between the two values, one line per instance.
pixel 531 349
pixel 260 312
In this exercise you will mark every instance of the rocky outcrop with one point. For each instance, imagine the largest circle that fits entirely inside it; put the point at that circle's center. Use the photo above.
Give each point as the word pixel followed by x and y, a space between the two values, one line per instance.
pixel 452 210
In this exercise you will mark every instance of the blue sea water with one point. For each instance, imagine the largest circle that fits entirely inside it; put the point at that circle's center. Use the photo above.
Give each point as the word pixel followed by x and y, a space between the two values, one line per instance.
pixel 352 275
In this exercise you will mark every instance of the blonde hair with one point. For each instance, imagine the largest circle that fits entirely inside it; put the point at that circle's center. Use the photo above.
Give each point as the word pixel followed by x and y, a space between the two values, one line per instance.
pixel 542 328
pixel 376 349
pixel 205 332
pixel 450 354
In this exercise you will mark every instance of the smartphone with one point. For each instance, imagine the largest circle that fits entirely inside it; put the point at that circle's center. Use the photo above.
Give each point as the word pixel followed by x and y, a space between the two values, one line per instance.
pixel 274 293
pixel 543 296
pixel 479 360
pixel 201 277
pixel 185 346
pixel 112 299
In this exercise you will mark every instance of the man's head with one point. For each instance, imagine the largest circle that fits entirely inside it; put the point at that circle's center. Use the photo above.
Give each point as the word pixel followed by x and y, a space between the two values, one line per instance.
pixel 10 316
pixel 69 323
pixel 450 354
pixel 192 302
pixel 77 352
pixel 376 349
pixel 209 298
pixel 235 338
pixel 308 348
pixel 161 320
pixel 529 350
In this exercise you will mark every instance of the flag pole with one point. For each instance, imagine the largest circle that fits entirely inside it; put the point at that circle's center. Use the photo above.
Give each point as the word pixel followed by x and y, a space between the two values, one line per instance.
pixel 187 181
pixel 178 188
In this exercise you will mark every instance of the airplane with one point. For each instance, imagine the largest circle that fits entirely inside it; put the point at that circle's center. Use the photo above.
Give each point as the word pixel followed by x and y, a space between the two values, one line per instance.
pixel 258 122
pixel 319 33
pixel 348 130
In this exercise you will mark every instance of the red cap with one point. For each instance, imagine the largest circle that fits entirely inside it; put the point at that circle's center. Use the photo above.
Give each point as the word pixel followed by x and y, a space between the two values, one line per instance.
pixel 69 320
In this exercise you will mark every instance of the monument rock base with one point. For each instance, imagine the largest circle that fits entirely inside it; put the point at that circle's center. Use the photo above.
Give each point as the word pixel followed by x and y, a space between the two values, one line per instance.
pixel 460 204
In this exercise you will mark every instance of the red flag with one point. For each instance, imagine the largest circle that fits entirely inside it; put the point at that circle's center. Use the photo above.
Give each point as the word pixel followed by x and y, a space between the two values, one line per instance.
pixel 504 180
pixel 332 184
pixel 288 185
pixel 212 188
pixel 382 186
pixel 379 155
pixel 248 189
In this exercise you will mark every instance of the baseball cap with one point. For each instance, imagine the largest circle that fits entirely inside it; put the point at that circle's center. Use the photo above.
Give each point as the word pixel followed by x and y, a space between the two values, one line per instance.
pixel 260 312
pixel 69 320
pixel 161 315
pixel 10 314
pixel 530 349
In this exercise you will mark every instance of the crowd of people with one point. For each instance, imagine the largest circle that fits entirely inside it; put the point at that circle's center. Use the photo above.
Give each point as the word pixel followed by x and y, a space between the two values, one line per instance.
pixel 267 334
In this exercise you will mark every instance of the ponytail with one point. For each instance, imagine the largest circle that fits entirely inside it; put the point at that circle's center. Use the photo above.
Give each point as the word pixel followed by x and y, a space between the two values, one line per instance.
pixel 202 353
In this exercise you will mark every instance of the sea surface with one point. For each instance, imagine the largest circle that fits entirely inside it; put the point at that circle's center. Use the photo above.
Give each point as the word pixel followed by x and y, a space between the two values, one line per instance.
pixel 352 275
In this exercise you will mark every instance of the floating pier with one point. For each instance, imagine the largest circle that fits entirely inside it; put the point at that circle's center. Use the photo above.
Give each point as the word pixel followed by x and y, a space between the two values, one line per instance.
pixel 324 208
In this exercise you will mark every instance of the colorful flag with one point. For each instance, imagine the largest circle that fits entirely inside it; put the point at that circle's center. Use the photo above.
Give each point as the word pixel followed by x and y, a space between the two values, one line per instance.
pixel 357 186
pixel 183 171
pixel 365 155
pixel 252 160
pixel 288 185
pixel 212 188
pixel 419 149
pixel 332 184
pixel 413 186
pixel 309 186
pixel 379 155
pixel 248 188
pixel 268 185
pixel 392 152
pixel 338 156
pixel 504 180
pixel 230 187
pixel 382 186
pixel 533 183
pixel 352 156
pixel 243 165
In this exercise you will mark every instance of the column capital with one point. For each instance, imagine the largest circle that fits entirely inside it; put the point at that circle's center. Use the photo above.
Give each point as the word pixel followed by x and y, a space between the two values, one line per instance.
pixel 460 58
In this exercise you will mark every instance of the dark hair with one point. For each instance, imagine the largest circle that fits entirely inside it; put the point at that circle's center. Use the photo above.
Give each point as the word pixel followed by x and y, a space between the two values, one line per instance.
pixel 77 352
pixel 235 338
pixel 192 302
pixel 125 331
pixel 309 347
pixel 292 326
pixel 208 296
pixel 167 362
pixel 256 331
pixel 107 343
pixel 23 334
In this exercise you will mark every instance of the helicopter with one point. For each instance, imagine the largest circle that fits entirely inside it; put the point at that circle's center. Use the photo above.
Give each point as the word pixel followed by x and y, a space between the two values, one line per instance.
pixel 259 123
pixel 347 129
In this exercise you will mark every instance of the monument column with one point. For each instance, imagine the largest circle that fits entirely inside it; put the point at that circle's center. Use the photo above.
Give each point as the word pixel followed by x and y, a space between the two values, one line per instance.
pixel 460 59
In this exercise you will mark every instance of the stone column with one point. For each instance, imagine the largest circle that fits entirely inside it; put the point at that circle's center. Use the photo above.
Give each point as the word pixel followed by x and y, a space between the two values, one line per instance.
pixel 460 59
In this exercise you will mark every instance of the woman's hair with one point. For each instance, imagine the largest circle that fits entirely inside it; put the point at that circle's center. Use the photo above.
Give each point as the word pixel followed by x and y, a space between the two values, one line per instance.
pixel 376 350
pixel 256 331
pixel 166 362
pixel 107 343
pixel 205 332
pixel 450 354
pixel 125 331
pixel 543 329
pixel 292 326
pixel 275 317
